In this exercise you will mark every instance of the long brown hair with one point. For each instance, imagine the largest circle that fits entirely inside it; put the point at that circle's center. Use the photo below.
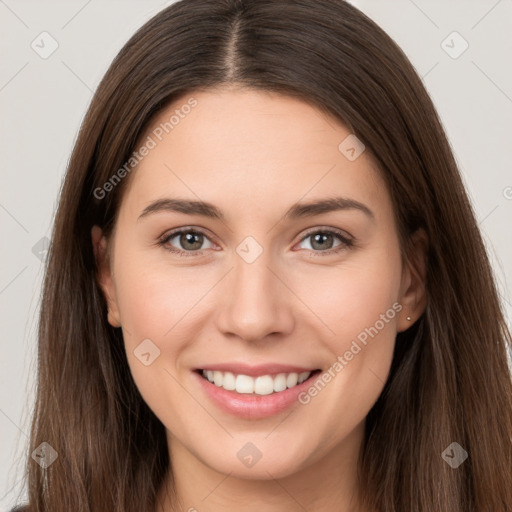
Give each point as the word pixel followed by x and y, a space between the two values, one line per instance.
pixel 449 382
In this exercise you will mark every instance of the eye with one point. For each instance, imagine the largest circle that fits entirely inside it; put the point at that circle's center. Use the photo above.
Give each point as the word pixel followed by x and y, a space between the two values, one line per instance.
pixel 323 241
pixel 189 241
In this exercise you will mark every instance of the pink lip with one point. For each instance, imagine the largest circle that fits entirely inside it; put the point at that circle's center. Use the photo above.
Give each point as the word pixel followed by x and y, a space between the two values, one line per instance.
pixel 255 371
pixel 251 406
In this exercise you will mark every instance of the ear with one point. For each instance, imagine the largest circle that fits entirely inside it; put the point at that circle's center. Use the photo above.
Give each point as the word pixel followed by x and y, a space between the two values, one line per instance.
pixel 413 297
pixel 105 276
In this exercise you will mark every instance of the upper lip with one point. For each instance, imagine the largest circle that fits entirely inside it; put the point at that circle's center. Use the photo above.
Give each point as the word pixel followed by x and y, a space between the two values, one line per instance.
pixel 256 370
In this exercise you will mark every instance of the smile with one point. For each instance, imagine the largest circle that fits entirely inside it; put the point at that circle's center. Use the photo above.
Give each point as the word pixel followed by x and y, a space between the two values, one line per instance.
pixel 261 385
pixel 269 390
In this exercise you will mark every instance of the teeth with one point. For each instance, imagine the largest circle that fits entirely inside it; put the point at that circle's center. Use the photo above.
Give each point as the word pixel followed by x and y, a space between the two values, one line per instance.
pixel 243 384
pixel 303 376
pixel 262 385
pixel 229 381
pixel 292 380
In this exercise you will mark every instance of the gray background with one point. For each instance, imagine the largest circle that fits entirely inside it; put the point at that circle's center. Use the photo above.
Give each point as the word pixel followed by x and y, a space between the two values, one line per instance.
pixel 43 100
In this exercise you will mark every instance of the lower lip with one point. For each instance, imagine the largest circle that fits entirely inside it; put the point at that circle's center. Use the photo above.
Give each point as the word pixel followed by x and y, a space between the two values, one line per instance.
pixel 252 406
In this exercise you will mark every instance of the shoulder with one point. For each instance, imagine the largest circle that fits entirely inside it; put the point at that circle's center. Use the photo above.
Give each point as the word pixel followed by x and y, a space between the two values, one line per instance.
pixel 20 508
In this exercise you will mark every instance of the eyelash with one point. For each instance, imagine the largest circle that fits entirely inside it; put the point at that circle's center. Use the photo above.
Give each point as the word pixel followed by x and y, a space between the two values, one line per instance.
pixel 346 242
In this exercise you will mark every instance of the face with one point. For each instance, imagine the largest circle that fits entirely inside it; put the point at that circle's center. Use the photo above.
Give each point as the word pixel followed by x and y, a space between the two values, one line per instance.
pixel 258 289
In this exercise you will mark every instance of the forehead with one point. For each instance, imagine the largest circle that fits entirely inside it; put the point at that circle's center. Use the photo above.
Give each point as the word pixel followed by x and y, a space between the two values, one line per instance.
pixel 248 147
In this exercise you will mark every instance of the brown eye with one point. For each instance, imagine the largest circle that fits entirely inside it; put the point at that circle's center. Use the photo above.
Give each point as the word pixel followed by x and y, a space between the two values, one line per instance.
pixel 185 241
pixel 324 241
pixel 191 241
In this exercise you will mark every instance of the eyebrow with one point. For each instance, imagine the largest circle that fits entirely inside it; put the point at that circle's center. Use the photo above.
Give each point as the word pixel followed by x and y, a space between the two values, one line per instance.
pixel 297 210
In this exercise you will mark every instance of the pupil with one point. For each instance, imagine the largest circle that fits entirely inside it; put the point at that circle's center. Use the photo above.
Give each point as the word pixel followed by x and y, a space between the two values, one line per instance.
pixel 191 238
pixel 321 237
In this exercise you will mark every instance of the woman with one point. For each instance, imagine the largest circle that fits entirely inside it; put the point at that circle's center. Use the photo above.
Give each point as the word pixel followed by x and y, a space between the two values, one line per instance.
pixel 266 288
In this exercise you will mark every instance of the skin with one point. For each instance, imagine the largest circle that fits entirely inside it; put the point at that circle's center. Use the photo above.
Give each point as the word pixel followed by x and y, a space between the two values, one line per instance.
pixel 254 154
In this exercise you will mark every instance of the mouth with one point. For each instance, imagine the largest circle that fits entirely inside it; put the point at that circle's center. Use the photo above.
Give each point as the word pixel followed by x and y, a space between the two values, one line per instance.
pixel 265 384
pixel 254 392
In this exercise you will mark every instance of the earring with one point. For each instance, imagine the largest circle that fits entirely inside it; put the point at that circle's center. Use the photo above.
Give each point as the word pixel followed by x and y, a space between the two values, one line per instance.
pixel 408 318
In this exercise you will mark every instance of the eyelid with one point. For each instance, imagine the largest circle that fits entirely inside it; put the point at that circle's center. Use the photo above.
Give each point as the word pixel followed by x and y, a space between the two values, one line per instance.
pixel 347 240
pixel 168 235
pixel 327 229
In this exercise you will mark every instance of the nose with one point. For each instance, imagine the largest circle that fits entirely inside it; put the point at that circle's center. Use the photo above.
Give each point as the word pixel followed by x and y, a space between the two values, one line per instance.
pixel 256 303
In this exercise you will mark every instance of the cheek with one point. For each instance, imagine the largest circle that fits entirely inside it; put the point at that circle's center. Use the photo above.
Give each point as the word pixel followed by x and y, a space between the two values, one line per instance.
pixel 149 305
pixel 158 300
pixel 165 304
pixel 153 305
pixel 353 295
pixel 151 294
pixel 357 305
